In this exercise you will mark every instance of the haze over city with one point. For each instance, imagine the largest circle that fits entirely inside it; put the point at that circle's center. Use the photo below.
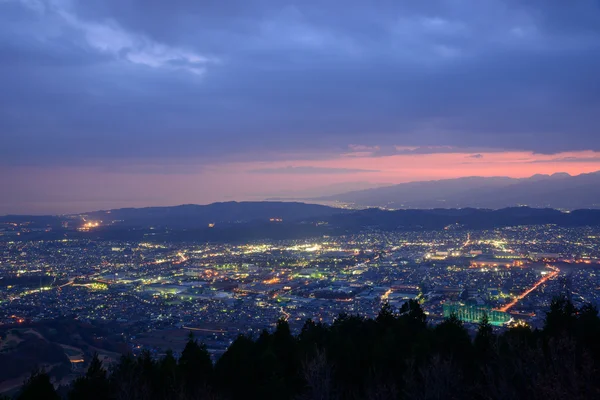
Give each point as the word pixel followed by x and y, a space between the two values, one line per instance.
pixel 106 106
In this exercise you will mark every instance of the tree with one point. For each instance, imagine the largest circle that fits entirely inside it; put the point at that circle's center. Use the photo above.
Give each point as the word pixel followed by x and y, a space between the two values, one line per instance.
pixel 38 386
pixel 236 371
pixel 588 329
pixel 285 349
pixel 452 341
pixel 355 358
pixel 386 317
pixel 484 340
pixel 195 367
pixel 313 337
pixel 318 375
pixel 148 371
pixel 561 318
pixel 125 379
pixel 169 376
pixel 94 385
pixel 412 313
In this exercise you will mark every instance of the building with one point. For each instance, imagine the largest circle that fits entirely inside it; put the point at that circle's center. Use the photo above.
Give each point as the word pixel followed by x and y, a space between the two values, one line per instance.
pixel 469 313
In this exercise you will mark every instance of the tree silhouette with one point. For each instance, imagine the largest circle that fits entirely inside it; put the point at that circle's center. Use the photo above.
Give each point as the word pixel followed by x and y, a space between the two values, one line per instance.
pixel 38 386
pixel 395 355
pixel 195 366
pixel 94 385
pixel 237 371
pixel 411 311
pixel 484 340
pixel 561 318
pixel 386 317
pixel 169 376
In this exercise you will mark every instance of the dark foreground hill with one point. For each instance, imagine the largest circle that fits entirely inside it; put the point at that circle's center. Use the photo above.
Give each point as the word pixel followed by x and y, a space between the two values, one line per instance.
pixel 53 345
pixel 394 356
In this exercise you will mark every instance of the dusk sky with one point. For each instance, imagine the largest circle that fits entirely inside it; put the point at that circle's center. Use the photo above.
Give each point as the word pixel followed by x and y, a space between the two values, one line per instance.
pixel 128 103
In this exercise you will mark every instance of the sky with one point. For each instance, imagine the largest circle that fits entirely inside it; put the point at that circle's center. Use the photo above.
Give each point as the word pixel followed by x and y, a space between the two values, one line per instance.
pixel 129 103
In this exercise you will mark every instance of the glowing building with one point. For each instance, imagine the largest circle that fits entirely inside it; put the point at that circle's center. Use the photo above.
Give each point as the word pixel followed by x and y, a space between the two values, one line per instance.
pixel 475 313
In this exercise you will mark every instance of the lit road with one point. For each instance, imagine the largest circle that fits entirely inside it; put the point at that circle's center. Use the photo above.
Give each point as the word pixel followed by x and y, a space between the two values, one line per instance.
pixel 287 315
pixel 204 330
pixel 467 242
pixel 70 282
pixel 544 279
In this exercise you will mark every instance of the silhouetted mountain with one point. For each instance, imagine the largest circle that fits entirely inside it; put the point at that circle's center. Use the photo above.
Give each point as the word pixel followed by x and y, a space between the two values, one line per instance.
pixel 195 216
pixel 559 190
pixel 188 216
pixel 241 222
pixel 471 218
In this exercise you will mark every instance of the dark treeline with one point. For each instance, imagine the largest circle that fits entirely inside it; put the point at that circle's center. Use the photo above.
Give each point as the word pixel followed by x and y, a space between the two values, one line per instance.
pixel 397 355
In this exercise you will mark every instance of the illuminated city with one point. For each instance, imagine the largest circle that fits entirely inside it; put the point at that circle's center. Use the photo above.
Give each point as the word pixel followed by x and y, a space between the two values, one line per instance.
pixel 220 290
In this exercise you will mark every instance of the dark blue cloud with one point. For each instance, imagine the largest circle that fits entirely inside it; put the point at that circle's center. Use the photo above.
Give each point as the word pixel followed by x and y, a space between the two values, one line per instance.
pixel 209 81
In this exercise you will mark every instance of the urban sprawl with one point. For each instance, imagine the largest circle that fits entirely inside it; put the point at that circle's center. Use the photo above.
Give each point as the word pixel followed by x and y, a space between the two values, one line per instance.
pixel 152 292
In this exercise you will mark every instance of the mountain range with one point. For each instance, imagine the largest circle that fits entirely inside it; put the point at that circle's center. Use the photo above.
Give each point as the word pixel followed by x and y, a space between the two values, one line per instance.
pixel 247 221
pixel 193 215
pixel 560 191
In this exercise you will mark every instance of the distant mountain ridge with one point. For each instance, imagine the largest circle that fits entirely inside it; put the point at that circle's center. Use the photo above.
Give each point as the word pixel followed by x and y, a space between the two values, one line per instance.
pixel 189 215
pixel 242 222
pixel 560 190
pixel 224 212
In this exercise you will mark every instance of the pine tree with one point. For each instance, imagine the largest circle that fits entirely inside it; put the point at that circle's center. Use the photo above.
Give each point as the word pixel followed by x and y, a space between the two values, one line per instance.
pixel 37 387
pixel 285 350
pixel 169 376
pixel 484 339
pixel 94 385
pixel 236 371
pixel 195 367
pixel 561 318
pixel 412 311
pixel 386 317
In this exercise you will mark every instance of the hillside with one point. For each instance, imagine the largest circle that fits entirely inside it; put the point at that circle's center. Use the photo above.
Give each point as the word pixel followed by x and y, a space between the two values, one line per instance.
pixel 397 355
pixel 62 347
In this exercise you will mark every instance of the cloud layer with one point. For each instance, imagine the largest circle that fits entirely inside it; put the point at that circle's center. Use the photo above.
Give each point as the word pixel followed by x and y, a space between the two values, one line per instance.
pixel 118 84
pixel 309 170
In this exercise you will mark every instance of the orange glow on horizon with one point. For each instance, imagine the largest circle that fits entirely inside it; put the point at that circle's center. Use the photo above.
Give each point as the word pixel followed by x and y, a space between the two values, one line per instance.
pixel 413 167
pixel 185 181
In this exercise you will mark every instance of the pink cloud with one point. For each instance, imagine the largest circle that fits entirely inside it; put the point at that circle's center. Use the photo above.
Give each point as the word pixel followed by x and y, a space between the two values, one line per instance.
pixel 75 189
